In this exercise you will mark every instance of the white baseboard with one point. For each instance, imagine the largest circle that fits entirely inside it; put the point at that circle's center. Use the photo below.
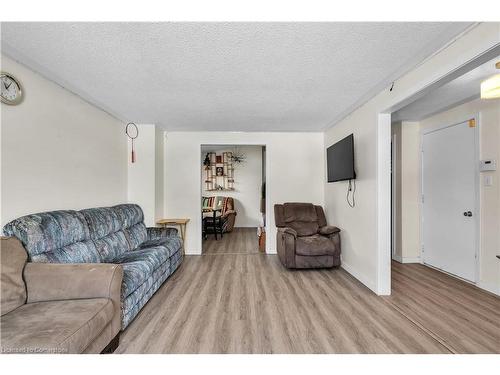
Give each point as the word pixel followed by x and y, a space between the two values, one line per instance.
pixel 400 259
pixel 489 287
pixel 359 276
pixel 397 258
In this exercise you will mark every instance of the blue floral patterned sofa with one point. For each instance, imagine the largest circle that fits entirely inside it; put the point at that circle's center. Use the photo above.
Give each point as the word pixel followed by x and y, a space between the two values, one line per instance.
pixel 104 235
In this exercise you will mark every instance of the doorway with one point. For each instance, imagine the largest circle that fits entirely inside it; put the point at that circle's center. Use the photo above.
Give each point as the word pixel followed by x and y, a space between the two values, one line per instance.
pixel 233 187
pixel 449 199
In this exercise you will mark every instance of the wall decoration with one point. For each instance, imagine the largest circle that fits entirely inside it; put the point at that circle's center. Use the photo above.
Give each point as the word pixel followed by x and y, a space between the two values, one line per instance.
pixel 10 91
pixel 218 171
pixel 237 156
pixel 132 131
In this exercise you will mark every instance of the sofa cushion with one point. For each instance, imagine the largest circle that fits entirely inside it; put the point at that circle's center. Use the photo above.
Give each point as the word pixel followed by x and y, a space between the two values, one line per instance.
pixel 112 246
pixel 48 231
pixel 314 245
pixel 102 221
pixel 155 233
pixel 12 260
pixel 139 265
pixel 136 235
pixel 172 244
pixel 128 214
pixel 78 252
pixel 67 326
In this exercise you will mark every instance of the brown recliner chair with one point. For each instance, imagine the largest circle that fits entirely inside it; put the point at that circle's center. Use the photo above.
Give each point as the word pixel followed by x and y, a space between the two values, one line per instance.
pixel 304 240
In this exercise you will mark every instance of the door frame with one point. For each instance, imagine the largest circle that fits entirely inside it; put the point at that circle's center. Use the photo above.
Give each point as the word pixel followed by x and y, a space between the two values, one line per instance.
pixel 477 193
pixel 394 201
pixel 484 53
pixel 267 166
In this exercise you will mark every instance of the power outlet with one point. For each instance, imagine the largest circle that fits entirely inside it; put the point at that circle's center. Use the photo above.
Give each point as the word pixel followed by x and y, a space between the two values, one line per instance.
pixel 488 180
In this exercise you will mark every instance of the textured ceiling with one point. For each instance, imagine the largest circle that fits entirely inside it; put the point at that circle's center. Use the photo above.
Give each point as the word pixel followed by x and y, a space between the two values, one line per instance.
pixel 458 91
pixel 226 76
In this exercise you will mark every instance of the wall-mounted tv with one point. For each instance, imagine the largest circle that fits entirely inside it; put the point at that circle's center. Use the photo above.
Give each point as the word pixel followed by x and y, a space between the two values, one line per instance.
pixel 340 160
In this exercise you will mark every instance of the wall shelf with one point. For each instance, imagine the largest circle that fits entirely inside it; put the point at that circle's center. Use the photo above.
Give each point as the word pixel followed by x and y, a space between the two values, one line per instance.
pixel 224 164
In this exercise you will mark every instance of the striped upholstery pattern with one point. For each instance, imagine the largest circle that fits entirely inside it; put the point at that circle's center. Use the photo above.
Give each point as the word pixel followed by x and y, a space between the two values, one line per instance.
pixel 217 202
pixel 226 206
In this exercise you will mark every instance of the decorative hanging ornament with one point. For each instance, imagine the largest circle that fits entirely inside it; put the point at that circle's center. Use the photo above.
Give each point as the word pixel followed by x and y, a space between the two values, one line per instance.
pixel 132 132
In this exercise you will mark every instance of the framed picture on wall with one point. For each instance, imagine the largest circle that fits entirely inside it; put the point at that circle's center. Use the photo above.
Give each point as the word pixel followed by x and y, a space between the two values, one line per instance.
pixel 219 171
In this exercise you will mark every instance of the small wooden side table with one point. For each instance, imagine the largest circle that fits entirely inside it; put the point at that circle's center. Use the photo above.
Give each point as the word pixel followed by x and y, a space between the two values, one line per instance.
pixel 181 223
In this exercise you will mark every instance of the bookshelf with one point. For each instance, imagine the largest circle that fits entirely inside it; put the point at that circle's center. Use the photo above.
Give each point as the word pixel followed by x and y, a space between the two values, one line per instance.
pixel 219 174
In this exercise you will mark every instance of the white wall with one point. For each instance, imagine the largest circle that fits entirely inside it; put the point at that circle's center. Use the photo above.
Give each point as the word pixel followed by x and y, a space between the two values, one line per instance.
pixel 408 193
pixel 489 148
pixel 362 229
pixel 142 174
pixel 159 173
pixel 58 151
pixel 247 185
pixel 295 171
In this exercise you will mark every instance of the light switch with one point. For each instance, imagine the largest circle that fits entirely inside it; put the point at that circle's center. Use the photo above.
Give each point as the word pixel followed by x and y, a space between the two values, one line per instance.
pixel 488 180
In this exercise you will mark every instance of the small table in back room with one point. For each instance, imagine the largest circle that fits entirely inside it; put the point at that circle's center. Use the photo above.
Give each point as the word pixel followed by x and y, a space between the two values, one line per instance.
pixel 179 222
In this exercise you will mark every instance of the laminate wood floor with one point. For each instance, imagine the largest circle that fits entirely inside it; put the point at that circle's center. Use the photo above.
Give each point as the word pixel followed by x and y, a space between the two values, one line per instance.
pixel 461 316
pixel 236 301
pixel 240 241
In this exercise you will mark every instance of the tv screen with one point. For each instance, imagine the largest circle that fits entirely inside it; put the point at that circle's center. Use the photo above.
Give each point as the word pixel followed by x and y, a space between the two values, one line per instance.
pixel 340 160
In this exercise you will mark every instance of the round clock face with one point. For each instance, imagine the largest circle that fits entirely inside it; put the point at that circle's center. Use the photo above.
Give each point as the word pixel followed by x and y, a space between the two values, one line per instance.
pixel 11 92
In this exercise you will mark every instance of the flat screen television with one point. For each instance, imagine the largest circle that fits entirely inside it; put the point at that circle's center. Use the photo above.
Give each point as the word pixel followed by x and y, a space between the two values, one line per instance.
pixel 340 160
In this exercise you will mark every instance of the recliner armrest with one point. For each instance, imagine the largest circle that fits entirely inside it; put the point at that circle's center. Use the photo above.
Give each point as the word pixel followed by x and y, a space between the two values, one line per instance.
pixel 155 233
pixel 288 230
pixel 328 230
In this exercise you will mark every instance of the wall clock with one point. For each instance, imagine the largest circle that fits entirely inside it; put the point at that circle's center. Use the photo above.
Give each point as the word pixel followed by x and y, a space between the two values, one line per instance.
pixel 11 91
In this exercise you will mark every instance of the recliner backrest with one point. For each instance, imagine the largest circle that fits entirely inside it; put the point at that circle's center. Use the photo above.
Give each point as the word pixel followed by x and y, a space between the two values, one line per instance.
pixel 302 217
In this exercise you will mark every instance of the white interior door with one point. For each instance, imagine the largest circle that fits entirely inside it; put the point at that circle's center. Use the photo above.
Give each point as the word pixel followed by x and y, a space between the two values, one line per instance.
pixel 449 200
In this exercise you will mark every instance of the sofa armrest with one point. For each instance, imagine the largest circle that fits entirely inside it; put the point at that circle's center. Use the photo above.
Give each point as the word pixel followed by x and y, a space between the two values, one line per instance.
pixel 229 212
pixel 328 230
pixel 286 230
pixel 55 281
pixel 155 233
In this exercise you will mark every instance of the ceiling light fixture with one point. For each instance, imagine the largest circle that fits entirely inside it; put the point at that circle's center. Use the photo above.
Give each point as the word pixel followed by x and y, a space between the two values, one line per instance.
pixel 490 89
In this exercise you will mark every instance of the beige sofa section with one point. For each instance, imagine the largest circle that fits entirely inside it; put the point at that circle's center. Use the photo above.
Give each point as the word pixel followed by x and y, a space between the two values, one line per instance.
pixel 57 308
